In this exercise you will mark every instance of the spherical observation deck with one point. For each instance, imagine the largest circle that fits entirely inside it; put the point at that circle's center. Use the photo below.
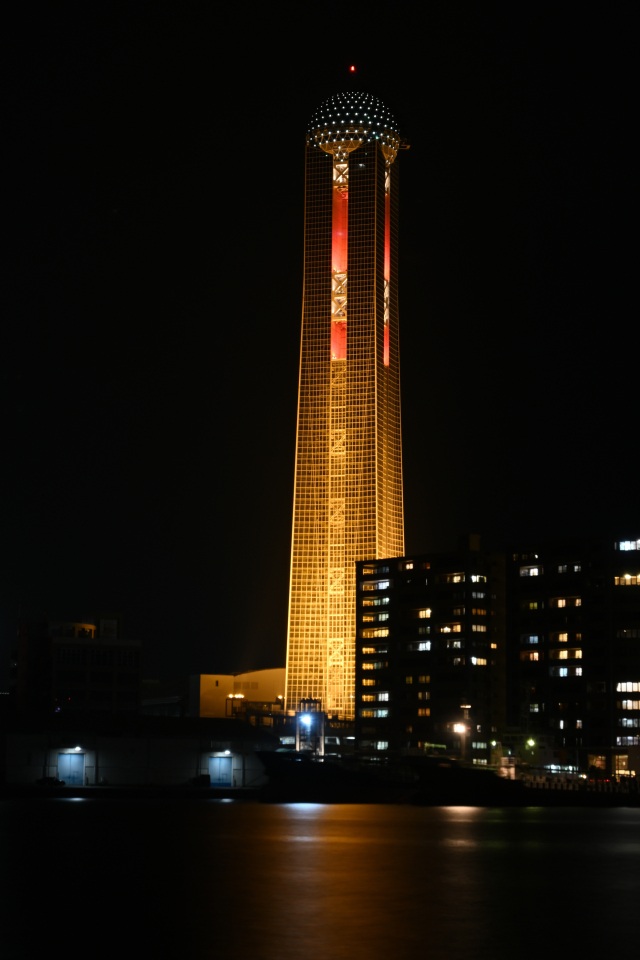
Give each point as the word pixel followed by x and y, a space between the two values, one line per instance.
pixel 346 120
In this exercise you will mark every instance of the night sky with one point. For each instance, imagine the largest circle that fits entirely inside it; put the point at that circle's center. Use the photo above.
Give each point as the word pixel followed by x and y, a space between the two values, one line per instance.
pixel 153 208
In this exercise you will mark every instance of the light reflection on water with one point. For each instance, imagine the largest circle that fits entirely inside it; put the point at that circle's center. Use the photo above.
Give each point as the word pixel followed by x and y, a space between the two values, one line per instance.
pixel 286 882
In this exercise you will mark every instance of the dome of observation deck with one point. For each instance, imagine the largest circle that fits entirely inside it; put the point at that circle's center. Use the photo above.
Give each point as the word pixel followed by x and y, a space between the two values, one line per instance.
pixel 346 120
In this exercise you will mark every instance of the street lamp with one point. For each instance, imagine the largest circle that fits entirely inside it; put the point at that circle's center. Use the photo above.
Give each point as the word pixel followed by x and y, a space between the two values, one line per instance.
pixel 463 729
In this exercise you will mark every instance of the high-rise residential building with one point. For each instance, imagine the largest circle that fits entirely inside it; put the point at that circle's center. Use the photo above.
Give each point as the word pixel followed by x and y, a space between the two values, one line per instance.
pixel 430 654
pixel 573 668
pixel 348 501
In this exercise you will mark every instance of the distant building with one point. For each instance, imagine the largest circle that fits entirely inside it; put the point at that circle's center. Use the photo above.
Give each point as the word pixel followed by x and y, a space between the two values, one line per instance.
pixel 573 673
pixel 72 667
pixel 82 718
pixel 257 696
pixel 430 654
pixel 129 751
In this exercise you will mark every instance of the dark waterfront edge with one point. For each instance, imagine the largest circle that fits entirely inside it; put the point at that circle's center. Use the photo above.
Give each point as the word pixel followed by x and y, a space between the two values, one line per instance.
pixel 283 792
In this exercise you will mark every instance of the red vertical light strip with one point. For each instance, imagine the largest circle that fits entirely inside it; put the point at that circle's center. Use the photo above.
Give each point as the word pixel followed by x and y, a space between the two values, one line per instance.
pixel 340 230
pixel 387 269
pixel 339 244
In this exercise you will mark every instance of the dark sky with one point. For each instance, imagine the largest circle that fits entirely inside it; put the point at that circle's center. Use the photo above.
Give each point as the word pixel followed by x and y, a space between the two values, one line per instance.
pixel 153 206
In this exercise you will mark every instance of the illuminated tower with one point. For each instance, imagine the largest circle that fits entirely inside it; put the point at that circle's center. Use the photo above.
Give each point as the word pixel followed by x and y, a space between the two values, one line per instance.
pixel 348 471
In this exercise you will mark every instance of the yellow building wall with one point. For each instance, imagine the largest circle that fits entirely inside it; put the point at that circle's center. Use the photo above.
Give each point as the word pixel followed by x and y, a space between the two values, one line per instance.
pixel 257 686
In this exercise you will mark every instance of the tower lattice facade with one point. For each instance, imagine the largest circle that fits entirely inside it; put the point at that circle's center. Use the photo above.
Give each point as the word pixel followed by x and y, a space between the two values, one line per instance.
pixel 348 502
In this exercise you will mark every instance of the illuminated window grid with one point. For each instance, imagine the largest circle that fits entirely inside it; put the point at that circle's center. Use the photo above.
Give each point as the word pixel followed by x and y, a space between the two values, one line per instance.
pixel 348 480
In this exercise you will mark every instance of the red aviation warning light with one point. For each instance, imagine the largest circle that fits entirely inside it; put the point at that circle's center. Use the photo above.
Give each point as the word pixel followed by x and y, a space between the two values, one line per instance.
pixel 352 69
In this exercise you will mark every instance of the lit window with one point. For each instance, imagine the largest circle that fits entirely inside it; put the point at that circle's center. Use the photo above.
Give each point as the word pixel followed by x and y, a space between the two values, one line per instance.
pixel 478 661
pixel 567 654
pixel 424 711
pixel 419 646
pixel 478 628
pixel 628 545
pixel 530 638
pixel 372 571
pixel 425 613
pixel 558 602
pixel 530 571
pixel 375 585
pixel 565 671
pixel 627 580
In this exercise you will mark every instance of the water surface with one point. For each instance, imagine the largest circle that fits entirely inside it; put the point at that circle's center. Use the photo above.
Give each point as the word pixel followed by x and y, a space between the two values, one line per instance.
pixel 209 878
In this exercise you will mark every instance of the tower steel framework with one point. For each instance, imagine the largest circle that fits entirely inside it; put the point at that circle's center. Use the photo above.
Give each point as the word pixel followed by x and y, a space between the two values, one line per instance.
pixel 348 502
